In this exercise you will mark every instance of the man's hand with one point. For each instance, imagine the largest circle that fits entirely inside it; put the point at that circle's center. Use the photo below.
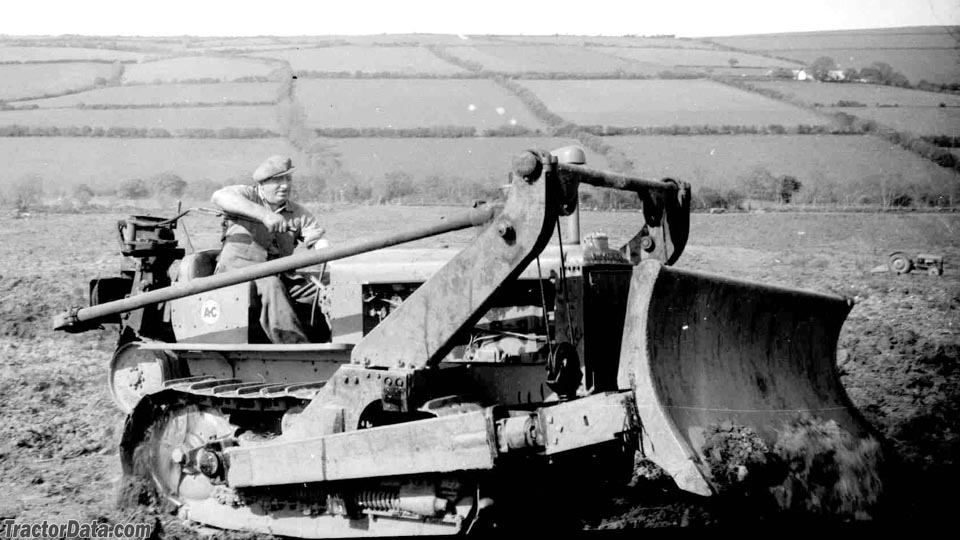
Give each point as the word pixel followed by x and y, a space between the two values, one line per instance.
pixel 274 223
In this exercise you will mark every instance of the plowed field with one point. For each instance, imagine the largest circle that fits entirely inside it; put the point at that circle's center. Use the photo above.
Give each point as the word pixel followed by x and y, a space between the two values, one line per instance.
pixel 899 352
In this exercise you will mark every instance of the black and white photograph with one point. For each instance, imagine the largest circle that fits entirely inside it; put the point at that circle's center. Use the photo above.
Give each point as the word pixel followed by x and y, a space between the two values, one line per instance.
pixel 300 269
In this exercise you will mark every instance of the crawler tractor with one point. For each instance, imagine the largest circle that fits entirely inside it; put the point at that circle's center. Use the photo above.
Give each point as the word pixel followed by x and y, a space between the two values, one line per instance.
pixel 456 390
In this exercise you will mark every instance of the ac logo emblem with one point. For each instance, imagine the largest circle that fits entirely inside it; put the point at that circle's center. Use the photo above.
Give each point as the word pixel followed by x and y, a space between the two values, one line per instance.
pixel 210 311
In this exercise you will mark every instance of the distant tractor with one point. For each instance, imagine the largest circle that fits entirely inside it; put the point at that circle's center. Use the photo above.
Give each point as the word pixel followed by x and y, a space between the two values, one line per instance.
pixel 900 263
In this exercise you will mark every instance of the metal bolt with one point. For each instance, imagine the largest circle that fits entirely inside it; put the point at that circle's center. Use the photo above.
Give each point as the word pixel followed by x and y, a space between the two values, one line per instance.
pixel 356 380
pixel 388 381
pixel 505 230
pixel 646 243
pixel 209 462
pixel 399 382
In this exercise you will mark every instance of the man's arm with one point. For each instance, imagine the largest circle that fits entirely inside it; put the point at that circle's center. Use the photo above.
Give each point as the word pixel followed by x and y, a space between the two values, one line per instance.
pixel 232 200
pixel 311 232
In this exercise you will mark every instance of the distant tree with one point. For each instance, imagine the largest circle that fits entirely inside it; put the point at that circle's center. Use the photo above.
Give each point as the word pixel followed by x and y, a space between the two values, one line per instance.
pixel 733 62
pixel 396 185
pixel 788 186
pixel 309 187
pixel 760 184
pixel 25 193
pixel 883 73
pixel 782 73
pixel 821 67
pixel 851 74
pixel 133 188
pixel 707 197
pixel 871 75
pixel 168 184
pixel 82 194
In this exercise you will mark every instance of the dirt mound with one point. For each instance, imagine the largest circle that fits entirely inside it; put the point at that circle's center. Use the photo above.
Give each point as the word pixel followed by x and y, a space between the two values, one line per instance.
pixel 734 454
pixel 814 468
pixel 829 472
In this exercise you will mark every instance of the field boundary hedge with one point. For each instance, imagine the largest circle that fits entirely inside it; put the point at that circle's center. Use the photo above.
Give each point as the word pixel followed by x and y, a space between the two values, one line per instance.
pixel 913 143
pixel 489 74
pixel 67 61
pixel 17 130
pixel 124 106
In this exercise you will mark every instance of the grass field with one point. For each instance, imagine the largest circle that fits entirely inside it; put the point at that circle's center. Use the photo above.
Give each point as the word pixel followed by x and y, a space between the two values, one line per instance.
pixel 651 103
pixel 545 58
pixel 163 94
pixel 236 42
pixel 224 69
pixel 47 54
pixel 481 159
pixel 364 59
pixel 907 37
pixel 850 163
pixel 868 94
pixel 21 81
pixel 261 116
pixel 917 120
pixel 815 160
pixel 688 57
pixel 406 103
pixel 389 39
pixel 65 162
pixel 608 41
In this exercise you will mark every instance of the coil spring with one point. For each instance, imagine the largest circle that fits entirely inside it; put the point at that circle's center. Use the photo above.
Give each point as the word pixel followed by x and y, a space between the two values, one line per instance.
pixel 381 499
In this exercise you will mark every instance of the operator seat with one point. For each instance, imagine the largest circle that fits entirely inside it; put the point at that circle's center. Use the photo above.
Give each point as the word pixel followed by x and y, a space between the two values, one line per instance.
pixel 198 264
pixel 236 307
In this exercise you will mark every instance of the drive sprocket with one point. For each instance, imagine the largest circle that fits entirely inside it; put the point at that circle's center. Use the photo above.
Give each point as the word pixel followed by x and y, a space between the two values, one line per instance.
pixel 158 440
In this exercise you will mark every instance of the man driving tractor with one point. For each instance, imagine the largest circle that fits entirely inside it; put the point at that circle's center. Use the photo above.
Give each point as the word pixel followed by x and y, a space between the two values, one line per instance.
pixel 262 223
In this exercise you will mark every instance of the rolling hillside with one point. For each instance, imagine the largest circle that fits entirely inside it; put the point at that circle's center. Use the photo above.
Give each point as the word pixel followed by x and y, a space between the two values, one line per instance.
pixel 360 110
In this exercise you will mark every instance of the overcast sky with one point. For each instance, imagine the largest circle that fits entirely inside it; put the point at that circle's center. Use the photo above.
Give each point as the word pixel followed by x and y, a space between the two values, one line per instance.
pixel 584 17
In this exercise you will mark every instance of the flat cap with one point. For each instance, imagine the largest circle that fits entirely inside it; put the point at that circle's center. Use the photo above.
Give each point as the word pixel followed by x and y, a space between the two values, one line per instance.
pixel 273 166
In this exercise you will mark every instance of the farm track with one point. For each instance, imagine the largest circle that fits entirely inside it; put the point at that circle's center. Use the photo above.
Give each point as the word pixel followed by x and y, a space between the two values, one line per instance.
pixel 899 353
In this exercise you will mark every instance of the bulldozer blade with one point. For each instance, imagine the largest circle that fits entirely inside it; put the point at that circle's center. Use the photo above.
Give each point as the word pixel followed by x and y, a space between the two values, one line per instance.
pixel 701 350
